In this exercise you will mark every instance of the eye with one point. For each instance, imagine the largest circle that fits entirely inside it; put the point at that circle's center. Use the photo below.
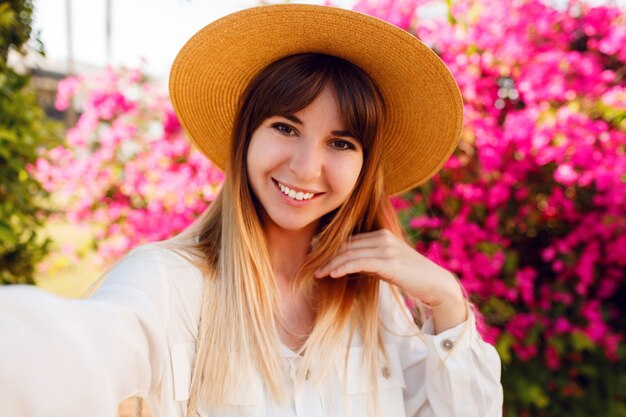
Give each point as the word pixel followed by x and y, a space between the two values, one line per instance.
pixel 284 129
pixel 342 145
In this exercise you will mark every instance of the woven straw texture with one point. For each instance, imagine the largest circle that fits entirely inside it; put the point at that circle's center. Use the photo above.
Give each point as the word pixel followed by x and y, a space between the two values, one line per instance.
pixel 425 108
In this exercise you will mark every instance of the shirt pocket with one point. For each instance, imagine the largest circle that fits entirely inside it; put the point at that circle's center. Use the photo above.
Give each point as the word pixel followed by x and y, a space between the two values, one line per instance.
pixel 182 360
pixel 359 388
pixel 244 400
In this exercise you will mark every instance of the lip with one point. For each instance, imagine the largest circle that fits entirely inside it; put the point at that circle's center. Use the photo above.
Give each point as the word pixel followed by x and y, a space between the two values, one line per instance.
pixel 292 202
pixel 296 189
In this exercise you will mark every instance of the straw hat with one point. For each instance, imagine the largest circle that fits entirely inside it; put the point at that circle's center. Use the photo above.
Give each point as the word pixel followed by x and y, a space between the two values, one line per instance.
pixel 216 64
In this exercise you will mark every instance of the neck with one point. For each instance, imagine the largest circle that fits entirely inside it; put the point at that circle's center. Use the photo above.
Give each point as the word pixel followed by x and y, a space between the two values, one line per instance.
pixel 288 249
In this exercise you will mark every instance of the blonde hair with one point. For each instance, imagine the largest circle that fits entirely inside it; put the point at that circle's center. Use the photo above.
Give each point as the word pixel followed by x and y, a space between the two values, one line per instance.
pixel 230 246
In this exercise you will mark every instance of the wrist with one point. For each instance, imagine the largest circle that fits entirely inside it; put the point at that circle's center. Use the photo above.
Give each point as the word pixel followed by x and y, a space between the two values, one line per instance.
pixel 449 308
pixel 447 292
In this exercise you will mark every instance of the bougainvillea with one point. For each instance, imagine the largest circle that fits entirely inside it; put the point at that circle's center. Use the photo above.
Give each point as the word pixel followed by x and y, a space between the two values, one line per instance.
pixel 531 210
pixel 127 167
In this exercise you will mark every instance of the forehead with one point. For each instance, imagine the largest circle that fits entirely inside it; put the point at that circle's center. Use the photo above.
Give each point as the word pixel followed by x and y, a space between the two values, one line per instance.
pixel 325 106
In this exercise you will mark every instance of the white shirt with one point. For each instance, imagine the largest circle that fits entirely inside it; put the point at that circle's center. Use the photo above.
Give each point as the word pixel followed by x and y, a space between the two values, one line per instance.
pixel 136 337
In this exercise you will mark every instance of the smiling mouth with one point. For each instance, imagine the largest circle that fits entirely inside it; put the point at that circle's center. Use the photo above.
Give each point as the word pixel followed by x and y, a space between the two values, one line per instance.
pixel 294 194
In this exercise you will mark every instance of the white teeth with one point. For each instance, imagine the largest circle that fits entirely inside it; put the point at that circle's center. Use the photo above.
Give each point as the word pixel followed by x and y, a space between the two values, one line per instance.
pixel 296 195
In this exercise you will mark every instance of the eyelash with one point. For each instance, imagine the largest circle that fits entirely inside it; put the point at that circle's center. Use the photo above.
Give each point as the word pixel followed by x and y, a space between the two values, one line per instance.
pixel 279 127
pixel 345 145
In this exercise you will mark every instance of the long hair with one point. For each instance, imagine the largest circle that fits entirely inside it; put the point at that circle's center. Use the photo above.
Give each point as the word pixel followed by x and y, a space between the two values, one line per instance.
pixel 238 332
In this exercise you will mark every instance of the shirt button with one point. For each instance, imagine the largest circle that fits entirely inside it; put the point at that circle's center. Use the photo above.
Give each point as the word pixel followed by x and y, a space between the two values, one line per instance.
pixel 447 344
pixel 386 373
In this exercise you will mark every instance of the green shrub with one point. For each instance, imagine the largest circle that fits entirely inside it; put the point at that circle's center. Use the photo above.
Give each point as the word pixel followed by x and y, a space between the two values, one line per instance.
pixel 23 130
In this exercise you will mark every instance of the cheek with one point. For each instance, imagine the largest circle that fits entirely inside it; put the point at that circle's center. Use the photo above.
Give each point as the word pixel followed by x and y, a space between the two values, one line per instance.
pixel 256 159
pixel 264 151
pixel 251 167
pixel 346 174
pixel 253 150
pixel 254 164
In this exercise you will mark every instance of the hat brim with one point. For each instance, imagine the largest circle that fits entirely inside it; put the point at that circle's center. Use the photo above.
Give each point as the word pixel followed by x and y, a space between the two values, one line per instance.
pixel 425 107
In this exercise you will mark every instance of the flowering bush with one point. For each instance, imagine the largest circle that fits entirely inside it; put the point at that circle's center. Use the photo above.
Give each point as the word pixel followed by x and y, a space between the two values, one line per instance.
pixel 127 166
pixel 531 210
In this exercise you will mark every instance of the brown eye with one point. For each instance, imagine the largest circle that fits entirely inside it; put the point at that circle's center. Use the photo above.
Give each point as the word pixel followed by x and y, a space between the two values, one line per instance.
pixel 284 129
pixel 342 145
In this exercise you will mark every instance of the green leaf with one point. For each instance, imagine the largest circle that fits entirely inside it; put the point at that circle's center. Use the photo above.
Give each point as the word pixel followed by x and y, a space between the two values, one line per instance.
pixel 580 341
pixel 6 234
pixel 503 346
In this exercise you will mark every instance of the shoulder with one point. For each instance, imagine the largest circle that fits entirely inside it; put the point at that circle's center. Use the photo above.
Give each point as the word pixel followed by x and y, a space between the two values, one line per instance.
pixel 161 276
pixel 158 262
pixel 156 270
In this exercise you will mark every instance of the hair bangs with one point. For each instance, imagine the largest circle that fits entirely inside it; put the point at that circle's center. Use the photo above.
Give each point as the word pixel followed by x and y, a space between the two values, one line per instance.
pixel 292 83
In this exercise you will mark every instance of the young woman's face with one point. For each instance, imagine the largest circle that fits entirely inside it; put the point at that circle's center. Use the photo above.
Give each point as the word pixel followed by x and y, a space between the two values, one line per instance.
pixel 302 166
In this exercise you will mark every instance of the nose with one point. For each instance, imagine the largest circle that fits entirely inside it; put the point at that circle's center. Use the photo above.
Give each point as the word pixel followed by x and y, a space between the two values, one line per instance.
pixel 306 161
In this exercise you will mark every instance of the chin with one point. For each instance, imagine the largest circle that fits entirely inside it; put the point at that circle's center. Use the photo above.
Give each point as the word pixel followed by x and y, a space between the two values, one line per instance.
pixel 292 225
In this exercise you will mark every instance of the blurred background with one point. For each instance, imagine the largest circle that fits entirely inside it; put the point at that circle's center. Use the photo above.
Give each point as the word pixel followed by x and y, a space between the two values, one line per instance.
pixel 530 212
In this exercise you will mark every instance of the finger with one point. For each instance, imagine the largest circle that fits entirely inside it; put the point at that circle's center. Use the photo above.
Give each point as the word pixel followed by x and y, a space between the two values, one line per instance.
pixel 359 244
pixel 379 238
pixel 368 235
pixel 359 265
pixel 346 256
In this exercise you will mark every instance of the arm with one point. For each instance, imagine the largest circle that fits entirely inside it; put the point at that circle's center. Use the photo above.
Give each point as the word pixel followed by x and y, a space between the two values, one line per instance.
pixel 450 371
pixel 61 357
pixel 461 372
pixel 449 374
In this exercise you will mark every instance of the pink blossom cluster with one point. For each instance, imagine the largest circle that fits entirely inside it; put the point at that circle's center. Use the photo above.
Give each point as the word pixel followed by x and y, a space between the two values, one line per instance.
pixel 126 165
pixel 401 13
pixel 530 212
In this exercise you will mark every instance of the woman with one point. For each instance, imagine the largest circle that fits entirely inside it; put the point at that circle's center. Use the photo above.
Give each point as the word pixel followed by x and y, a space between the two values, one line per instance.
pixel 285 297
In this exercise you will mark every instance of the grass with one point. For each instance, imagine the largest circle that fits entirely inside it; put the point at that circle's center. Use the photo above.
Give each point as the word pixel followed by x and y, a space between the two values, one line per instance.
pixel 61 273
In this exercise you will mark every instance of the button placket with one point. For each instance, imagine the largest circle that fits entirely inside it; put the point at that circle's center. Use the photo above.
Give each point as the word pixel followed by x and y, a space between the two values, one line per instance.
pixel 308 402
pixel 293 369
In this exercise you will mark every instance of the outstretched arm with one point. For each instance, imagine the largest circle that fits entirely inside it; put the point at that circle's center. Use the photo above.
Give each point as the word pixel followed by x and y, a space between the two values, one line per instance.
pixel 62 357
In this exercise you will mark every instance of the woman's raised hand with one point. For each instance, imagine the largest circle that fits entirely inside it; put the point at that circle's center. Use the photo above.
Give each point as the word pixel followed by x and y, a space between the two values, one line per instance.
pixel 384 254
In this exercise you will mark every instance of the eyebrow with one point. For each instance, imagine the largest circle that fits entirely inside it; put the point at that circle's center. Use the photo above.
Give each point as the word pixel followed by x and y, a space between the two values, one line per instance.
pixel 294 119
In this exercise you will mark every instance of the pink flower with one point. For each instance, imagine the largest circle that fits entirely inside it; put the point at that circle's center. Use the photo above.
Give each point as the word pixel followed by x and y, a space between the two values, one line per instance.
pixel 66 90
pixel 562 325
pixel 525 352
pixel 565 175
pixel 425 222
pixel 526 284
pixel 398 12
pixel 611 346
pixel 552 359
